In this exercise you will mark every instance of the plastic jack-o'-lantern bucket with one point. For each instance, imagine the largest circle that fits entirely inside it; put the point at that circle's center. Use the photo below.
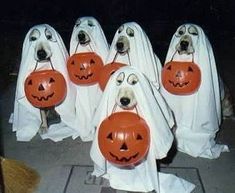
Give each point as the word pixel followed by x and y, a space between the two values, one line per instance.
pixel 84 68
pixel 181 78
pixel 107 71
pixel 124 139
pixel 45 88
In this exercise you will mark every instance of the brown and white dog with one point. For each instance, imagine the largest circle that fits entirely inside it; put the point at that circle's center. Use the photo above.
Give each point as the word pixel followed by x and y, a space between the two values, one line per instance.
pixel 185 46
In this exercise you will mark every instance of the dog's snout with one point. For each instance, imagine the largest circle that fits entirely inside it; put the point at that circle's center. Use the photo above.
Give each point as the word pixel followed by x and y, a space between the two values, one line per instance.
pixel 119 45
pixel 42 55
pixel 81 37
pixel 184 44
pixel 125 101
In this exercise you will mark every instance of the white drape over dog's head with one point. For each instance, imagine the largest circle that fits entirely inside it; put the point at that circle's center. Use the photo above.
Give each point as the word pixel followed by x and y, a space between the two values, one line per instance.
pixel 201 111
pixel 97 40
pixel 87 97
pixel 137 51
pixel 150 109
pixel 41 37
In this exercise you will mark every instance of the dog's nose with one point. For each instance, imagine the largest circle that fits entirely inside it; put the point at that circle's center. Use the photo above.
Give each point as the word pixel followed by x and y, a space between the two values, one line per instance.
pixel 184 45
pixel 42 55
pixel 125 101
pixel 119 45
pixel 81 37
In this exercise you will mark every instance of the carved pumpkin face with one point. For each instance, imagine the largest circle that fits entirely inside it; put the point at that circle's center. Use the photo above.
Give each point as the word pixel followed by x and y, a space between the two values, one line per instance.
pixel 124 139
pixel 84 68
pixel 107 71
pixel 181 78
pixel 45 88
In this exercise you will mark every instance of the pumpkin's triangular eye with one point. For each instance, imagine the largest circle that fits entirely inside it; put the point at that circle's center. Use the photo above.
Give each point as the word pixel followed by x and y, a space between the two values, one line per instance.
pixel 30 82
pixel 51 80
pixel 40 87
pixel 139 137
pixel 110 136
pixel 169 68
pixel 190 69
pixel 92 61
pixel 72 62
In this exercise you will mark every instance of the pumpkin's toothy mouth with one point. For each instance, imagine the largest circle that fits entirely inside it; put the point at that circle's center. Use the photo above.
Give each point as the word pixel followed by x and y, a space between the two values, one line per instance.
pixel 178 84
pixel 43 98
pixel 123 159
pixel 83 77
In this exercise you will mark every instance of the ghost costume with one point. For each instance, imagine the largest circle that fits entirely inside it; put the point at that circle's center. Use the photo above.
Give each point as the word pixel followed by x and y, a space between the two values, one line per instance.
pixel 143 177
pixel 198 116
pixel 87 97
pixel 140 53
pixel 26 118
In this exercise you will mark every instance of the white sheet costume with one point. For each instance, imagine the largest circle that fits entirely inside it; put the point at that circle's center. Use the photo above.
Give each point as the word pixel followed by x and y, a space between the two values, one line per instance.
pixel 143 177
pixel 140 53
pixel 198 116
pixel 87 97
pixel 26 118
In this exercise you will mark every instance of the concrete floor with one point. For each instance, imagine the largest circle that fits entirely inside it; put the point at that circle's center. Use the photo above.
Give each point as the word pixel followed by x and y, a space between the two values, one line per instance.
pixel 60 164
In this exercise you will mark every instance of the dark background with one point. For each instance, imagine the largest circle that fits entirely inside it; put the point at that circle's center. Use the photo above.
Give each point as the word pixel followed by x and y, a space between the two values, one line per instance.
pixel 159 19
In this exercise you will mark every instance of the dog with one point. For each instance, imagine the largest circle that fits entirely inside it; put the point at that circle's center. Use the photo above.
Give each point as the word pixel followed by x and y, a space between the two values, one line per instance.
pixel 185 46
pixel 126 98
pixel 43 53
pixel 123 45
pixel 227 103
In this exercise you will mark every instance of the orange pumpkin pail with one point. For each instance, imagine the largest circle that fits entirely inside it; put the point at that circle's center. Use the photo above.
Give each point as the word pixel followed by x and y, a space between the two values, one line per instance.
pixel 181 78
pixel 84 68
pixel 45 88
pixel 124 139
pixel 107 71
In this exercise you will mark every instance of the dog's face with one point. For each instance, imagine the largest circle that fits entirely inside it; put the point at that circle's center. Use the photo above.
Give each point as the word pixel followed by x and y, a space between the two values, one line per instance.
pixel 126 97
pixel 185 35
pixel 123 45
pixel 82 36
pixel 42 41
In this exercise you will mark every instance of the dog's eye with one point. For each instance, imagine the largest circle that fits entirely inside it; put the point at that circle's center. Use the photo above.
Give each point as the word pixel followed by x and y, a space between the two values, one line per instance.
pixel 49 35
pixel 181 31
pixel 130 32
pixel 90 23
pixel 120 78
pixel 193 30
pixel 132 79
pixel 120 29
pixel 33 38
pixel 34 35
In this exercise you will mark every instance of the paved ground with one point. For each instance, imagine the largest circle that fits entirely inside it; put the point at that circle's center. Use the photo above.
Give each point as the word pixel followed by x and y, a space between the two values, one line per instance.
pixel 60 164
